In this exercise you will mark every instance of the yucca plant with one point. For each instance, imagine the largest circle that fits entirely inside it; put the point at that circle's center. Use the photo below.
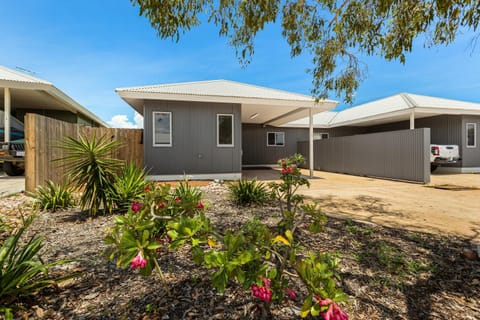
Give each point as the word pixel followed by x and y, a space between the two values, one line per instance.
pixel 92 170
pixel 22 271
pixel 247 192
pixel 129 186
pixel 54 196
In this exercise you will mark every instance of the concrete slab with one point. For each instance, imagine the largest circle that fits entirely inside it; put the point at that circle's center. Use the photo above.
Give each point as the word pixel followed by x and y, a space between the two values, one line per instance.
pixel 11 185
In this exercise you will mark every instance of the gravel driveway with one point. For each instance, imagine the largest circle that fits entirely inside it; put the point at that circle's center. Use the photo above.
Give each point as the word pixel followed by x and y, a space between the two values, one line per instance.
pixel 418 207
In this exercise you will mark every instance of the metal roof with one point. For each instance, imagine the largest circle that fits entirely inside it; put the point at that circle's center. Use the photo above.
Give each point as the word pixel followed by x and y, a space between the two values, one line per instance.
pixel 34 93
pixel 7 74
pixel 259 105
pixel 220 88
pixel 391 109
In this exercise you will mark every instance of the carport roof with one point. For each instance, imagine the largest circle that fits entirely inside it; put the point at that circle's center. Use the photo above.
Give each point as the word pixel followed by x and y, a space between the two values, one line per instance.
pixel 259 105
pixel 391 109
pixel 33 93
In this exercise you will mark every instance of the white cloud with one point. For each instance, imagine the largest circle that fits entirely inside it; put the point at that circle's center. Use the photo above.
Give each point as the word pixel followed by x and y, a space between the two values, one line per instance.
pixel 122 121
pixel 138 118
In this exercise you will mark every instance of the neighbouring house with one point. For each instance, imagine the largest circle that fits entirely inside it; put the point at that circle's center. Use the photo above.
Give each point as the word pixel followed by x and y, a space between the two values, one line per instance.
pixel 22 94
pixel 449 122
pixel 210 129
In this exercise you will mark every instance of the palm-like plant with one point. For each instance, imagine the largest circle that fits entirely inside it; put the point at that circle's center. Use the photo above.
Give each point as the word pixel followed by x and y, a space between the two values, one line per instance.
pixel 91 169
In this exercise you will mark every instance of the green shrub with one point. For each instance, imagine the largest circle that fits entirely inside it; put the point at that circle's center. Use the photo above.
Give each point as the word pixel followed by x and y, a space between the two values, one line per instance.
pixel 247 192
pixel 22 271
pixel 129 186
pixel 92 170
pixel 54 196
pixel 189 197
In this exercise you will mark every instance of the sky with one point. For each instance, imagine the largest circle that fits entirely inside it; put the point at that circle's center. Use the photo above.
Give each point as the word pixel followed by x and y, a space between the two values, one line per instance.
pixel 88 48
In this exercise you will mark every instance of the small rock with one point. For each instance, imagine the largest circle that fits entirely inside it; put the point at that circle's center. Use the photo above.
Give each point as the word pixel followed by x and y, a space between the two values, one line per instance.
pixel 39 312
pixel 469 254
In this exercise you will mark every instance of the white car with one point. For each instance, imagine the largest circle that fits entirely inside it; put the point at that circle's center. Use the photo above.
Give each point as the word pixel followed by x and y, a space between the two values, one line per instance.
pixel 443 154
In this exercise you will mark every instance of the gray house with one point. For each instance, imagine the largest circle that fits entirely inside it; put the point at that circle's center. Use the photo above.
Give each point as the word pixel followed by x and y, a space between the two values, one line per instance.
pixel 210 129
pixel 449 122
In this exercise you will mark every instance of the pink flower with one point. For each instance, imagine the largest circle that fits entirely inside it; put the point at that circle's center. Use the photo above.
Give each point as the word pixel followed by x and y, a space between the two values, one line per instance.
pixel 136 206
pixel 161 205
pixel 333 312
pixel 266 281
pixel 147 189
pixel 200 205
pixel 178 199
pixel 262 293
pixel 291 293
pixel 287 170
pixel 139 261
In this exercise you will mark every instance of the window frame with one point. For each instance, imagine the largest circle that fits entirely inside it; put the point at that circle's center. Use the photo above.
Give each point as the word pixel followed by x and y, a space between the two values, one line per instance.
pixel 474 134
pixel 232 117
pixel 320 134
pixel 276 145
pixel 170 144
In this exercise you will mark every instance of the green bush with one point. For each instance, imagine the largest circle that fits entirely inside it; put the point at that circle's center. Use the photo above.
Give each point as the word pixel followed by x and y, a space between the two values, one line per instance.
pixel 247 192
pixel 22 271
pixel 92 170
pixel 129 186
pixel 54 196
pixel 189 197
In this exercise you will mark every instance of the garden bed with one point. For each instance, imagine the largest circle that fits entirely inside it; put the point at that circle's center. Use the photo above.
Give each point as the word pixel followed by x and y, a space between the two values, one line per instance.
pixel 388 273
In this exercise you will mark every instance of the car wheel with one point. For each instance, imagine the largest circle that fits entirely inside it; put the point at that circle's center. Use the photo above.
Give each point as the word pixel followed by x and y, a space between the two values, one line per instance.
pixel 13 169
pixel 433 167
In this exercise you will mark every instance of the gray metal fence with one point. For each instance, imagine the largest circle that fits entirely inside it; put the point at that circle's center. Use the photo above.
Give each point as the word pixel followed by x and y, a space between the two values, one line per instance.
pixel 402 155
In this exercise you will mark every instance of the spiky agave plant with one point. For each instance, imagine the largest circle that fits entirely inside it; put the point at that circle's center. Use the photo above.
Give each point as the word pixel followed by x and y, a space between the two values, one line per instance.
pixel 92 169
pixel 129 186
pixel 53 196
pixel 22 271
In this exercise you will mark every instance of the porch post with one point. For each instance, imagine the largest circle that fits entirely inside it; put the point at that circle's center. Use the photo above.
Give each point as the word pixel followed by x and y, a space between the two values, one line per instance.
pixel 412 120
pixel 6 115
pixel 310 141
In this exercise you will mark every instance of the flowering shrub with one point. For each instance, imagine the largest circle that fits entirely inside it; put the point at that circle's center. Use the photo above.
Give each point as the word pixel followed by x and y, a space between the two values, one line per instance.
pixel 138 236
pixel 262 259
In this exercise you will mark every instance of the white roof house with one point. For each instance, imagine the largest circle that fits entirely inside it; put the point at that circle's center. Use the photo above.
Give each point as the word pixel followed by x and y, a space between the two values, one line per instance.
pixel 259 105
pixel 34 93
pixel 399 107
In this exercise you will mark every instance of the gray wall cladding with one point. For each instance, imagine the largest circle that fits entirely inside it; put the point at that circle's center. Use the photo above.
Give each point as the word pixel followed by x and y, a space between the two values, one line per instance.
pixel 254 143
pixel 470 156
pixel 194 139
pixel 402 155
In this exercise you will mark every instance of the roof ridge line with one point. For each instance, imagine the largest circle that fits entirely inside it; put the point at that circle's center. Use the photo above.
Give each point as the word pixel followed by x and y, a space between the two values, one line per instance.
pixel 408 100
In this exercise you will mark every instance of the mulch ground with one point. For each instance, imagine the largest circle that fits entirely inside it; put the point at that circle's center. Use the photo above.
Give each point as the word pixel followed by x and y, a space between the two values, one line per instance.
pixel 388 273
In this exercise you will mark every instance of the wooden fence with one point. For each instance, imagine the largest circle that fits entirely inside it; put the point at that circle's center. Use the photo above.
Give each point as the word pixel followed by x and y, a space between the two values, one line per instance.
pixel 43 135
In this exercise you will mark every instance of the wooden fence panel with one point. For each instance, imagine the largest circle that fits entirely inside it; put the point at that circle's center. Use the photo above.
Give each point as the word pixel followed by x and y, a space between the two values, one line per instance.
pixel 43 136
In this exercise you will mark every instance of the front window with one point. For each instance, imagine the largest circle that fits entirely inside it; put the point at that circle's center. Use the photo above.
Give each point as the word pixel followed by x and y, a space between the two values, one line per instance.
pixel 162 129
pixel 471 135
pixel 275 139
pixel 224 130
pixel 320 135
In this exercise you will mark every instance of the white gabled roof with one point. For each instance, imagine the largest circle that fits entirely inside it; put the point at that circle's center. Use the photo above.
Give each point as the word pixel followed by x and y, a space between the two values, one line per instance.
pixel 7 74
pixel 391 109
pixel 37 93
pixel 259 104
pixel 219 88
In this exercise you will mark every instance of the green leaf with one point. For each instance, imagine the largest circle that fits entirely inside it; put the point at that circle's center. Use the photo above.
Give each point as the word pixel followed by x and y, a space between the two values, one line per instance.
pixel 306 307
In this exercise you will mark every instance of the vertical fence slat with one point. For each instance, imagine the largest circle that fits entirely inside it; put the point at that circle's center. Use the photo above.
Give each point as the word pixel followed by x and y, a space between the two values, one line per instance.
pixel 43 135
